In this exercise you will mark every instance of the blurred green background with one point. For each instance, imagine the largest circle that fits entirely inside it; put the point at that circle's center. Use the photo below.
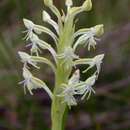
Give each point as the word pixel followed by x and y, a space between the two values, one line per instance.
pixel 109 109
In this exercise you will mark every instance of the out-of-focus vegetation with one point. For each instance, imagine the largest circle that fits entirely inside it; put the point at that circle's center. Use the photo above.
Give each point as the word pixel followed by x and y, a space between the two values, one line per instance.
pixel 109 109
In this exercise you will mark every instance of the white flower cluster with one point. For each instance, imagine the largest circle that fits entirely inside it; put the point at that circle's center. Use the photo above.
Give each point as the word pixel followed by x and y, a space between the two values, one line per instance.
pixel 66 42
pixel 77 87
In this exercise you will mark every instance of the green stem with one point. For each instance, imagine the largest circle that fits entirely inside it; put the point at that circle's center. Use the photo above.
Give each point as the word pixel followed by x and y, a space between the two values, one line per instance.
pixel 58 114
pixel 58 111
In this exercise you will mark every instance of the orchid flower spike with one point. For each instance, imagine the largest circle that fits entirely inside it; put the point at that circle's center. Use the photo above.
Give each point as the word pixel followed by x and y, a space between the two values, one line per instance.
pixel 65 57
pixel 33 83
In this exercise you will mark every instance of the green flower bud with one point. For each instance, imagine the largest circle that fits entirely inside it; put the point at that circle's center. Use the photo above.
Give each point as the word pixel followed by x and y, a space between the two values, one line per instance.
pixel 48 2
pixel 87 5
pixel 69 3
pixel 99 30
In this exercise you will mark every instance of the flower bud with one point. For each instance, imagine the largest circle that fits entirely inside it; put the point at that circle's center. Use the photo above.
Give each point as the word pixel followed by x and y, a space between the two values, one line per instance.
pixel 48 2
pixel 99 29
pixel 87 5
pixel 69 3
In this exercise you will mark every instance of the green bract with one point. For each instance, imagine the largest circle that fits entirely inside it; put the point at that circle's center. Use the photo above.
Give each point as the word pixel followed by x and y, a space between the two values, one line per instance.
pixel 65 59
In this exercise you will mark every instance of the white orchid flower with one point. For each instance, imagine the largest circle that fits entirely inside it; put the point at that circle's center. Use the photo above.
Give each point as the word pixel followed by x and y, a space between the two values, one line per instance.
pixel 68 56
pixel 77 87
pixel 88 37
pixel 68 95
pixel 33 28
pixel 36 44
pixel 69 90
pixel 96 61
pixel 86 87
pixel 26 59
pixel 30 28
pixel 32 83
pixel 33 60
